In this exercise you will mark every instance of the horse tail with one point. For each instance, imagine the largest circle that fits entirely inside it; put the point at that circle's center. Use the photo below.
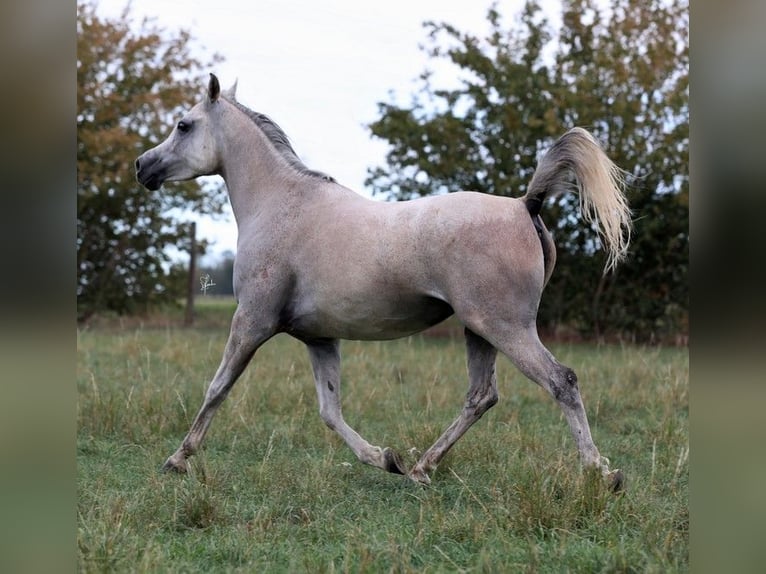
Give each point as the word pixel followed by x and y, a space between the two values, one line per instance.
pixel 599 182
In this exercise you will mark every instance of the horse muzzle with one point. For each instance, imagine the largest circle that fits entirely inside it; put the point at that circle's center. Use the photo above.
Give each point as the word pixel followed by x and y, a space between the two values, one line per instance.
pixel 149 171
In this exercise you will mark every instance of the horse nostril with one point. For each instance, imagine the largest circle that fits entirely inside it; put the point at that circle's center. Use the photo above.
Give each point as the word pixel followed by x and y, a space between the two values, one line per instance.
pixel 138 165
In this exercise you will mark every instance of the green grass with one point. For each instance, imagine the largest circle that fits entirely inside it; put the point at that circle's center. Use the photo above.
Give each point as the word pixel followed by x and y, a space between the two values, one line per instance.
pixel 274 490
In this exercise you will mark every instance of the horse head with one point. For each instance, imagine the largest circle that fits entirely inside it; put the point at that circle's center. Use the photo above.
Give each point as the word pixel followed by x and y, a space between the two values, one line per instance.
pixel 191 149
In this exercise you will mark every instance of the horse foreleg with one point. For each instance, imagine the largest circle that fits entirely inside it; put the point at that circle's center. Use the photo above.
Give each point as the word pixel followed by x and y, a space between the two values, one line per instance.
pixel 325 362
pixel 482 395
pixel 244 340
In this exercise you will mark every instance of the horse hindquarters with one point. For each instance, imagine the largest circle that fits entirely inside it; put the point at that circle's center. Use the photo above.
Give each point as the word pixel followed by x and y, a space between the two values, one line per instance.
pixel 501 310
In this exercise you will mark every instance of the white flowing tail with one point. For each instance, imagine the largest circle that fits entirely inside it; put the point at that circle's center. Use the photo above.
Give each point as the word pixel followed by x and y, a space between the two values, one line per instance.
pixel 599 182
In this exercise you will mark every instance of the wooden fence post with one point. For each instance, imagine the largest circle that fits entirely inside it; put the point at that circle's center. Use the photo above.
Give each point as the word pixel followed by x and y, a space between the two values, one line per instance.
pixel 189 317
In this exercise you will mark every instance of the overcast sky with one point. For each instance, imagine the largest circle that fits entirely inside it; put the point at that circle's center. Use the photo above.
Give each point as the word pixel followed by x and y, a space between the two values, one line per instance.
pixel 318 67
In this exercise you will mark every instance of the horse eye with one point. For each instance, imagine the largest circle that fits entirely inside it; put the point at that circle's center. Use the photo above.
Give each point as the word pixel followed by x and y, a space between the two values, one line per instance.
pixel 183 126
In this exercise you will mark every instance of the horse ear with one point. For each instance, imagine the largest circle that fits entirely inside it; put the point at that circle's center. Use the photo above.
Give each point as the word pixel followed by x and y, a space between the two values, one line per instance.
pixel 231 93
pixel 213 89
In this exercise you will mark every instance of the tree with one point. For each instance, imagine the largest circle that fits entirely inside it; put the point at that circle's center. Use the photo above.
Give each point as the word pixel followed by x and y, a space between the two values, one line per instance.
pixel 130 87
pixel 624 76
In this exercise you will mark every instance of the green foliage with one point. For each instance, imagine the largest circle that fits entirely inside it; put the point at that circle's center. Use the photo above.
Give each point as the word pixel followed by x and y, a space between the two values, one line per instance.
pixel 624 76
pixel 274 490
pixel 130 86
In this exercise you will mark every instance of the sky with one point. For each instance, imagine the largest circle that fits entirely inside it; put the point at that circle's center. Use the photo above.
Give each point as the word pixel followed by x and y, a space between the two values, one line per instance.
pixel 318 68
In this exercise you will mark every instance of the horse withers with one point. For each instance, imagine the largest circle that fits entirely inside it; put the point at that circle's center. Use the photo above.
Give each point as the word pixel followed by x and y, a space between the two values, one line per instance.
pixel 323 263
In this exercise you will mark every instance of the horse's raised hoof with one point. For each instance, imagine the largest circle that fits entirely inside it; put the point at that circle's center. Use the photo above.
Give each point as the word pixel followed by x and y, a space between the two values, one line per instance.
pixel 616 481
pixel 174 466
pixel 393 462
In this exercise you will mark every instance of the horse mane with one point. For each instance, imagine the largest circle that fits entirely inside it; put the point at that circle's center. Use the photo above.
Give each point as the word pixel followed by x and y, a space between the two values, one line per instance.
pixel 279 139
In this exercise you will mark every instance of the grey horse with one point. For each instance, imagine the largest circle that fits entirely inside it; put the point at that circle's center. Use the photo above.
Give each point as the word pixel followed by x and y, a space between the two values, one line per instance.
pixel 322 263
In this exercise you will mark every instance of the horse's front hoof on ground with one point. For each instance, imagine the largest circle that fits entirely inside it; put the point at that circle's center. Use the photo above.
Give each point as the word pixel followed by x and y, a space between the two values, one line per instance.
pixel 616 481
pixel 393 462
pixel 174 466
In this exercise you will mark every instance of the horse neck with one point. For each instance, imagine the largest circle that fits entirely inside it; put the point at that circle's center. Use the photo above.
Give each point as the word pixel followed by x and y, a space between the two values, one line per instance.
pixel 254 171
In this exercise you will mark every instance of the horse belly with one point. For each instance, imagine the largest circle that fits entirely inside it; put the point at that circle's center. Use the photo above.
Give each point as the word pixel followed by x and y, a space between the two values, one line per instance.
pixel 372 318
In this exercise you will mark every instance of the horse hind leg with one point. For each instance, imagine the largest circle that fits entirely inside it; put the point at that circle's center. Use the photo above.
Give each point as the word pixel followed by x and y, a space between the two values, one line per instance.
pixel 482 395
pixel 325 362
pixel 539 365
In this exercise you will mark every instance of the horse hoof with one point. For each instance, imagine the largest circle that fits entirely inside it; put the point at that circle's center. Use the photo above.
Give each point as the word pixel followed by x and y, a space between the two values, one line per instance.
pixel 393 462
pixel 617 482
pixel 173 466
pixel 420 477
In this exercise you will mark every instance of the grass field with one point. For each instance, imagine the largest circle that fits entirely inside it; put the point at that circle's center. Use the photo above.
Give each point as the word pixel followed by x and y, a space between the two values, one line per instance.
pixel 274 490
